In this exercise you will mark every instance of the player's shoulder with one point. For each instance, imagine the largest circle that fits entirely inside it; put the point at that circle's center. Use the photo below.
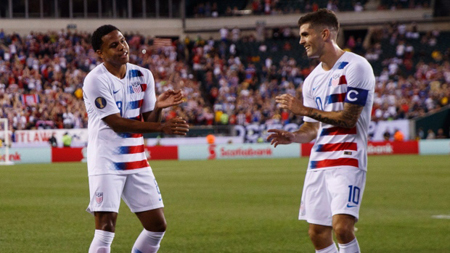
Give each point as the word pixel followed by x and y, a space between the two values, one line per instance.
pixel 136 71
pixel 96 73
pixel 353 59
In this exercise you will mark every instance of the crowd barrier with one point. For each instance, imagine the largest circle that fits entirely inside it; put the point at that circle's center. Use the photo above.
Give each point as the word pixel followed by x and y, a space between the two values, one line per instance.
pixel 225 151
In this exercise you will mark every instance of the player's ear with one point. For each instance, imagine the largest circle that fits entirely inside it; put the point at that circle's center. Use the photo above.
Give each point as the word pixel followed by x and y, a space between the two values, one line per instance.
pixel 325 34
pixel 99 53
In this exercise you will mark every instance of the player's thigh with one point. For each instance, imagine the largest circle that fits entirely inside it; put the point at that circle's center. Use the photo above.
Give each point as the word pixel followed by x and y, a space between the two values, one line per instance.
pixel 105 192
pixel 346 188
pixel 315 204
pixel 141 192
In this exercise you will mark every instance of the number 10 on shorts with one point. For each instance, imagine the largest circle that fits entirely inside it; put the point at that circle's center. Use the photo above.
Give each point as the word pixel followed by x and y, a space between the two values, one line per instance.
pixel 353 195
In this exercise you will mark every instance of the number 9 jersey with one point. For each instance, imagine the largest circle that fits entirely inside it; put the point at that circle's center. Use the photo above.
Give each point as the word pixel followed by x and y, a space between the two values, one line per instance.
pixel 105 94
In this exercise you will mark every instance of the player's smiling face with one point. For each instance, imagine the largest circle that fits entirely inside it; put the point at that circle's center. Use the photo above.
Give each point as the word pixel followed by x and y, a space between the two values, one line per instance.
pixel 115 49
pixel 311 40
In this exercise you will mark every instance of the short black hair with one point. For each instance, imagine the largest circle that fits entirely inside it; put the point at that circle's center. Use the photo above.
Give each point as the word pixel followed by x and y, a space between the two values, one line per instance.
pixel 96 39
pixel 322 17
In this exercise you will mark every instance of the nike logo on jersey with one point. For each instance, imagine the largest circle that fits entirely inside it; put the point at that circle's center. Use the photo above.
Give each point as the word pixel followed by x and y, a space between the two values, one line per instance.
pixel 350 206
pixel 115 91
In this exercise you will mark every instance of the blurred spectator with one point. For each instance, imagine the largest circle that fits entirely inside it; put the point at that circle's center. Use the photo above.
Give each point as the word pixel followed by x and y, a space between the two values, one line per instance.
pixel 440 134
pixel 430 134
pixel 235 34
pixel 67 140
pixel 358 7
pixel 420 134
pixel 387 135
pixel 224 33
pixel 398 135
pixel 52 140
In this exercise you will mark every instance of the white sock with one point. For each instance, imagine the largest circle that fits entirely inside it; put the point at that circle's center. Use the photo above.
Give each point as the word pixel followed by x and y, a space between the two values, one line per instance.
pixel 101 242
pixel 330 249
pixel 147 242
pixel 351 247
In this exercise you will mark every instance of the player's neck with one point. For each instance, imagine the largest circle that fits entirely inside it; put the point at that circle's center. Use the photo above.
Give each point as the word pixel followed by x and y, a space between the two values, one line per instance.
pixel 116 70
pixel 330 57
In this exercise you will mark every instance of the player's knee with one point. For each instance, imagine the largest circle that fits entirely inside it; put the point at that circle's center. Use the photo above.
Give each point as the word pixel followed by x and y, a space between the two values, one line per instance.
pixel 315 233
pixel 344 232
pixel 108 226
pixel 158 226
pixel 162 226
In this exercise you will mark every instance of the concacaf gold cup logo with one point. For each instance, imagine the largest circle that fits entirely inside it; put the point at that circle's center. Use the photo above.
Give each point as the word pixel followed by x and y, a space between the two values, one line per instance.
pixel 100 102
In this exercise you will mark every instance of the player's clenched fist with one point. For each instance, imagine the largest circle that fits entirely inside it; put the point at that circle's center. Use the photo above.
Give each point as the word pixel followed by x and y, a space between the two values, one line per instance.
pixel 177 126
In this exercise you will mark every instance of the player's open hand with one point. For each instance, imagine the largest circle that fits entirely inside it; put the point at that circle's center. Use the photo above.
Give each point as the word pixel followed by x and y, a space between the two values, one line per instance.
pixel 278 136
pixel 176 126
pixel 287 101
pixel 169 98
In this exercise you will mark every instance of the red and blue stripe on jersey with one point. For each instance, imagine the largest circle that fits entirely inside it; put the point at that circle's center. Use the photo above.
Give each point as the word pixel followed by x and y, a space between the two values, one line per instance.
pixel 334 163
pixel 131 165
pixel 335 147
pixel 136 88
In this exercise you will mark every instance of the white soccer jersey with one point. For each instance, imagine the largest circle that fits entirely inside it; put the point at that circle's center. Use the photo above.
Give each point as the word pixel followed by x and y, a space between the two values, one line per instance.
pixel 105 94
pixel 351 80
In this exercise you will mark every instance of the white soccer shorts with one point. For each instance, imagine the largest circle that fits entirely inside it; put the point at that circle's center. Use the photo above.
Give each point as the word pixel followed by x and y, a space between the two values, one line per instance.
pixel 330 192
pixel 139 191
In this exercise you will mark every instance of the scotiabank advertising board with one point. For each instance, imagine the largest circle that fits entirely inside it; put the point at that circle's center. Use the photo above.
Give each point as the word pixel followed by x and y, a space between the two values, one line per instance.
pixel 393 148
pixel 237 151
pixel 27 155
pixel 380 148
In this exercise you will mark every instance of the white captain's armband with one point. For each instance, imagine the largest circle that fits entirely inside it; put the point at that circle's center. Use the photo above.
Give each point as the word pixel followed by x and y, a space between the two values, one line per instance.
pixel 356 96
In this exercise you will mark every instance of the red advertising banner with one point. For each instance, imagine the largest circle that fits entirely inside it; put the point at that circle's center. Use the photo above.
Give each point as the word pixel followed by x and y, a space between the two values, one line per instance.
pixel 163 152
pixel 77 154
pixel 393 148
pixel 379 148
pixel 67 154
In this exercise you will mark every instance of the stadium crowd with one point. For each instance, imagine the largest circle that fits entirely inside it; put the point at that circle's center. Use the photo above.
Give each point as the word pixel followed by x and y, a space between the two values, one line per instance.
pixel 280 7
pixel 41 76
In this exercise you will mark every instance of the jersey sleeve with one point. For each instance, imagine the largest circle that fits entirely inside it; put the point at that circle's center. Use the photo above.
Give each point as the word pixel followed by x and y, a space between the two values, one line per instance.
pixel 360 82
pixel 98 94
pixel 149 96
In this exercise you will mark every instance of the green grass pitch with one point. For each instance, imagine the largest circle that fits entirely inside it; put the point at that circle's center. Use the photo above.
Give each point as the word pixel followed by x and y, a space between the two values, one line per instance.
pixel 229 206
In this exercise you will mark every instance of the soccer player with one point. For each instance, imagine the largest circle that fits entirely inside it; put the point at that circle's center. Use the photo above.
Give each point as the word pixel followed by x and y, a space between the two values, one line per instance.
pixel 121 104
pixel 337 101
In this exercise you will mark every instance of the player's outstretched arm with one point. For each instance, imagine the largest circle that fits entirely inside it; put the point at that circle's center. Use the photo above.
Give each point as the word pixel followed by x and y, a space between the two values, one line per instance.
pixel 166 99
pixel 169 98
pixel 306 133
pixel 176 126
pixel 345 118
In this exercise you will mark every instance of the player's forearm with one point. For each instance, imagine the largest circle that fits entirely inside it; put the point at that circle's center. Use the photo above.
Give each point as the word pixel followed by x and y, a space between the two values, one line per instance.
pixel 134 126
pixel 344 118
pixel 154 116
pixel 123 125
pixel 306 133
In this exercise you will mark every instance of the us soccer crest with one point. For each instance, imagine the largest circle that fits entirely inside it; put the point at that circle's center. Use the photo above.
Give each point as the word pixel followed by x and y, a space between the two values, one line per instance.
pixel 335 80
pixel 99 197
pixel 136 87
